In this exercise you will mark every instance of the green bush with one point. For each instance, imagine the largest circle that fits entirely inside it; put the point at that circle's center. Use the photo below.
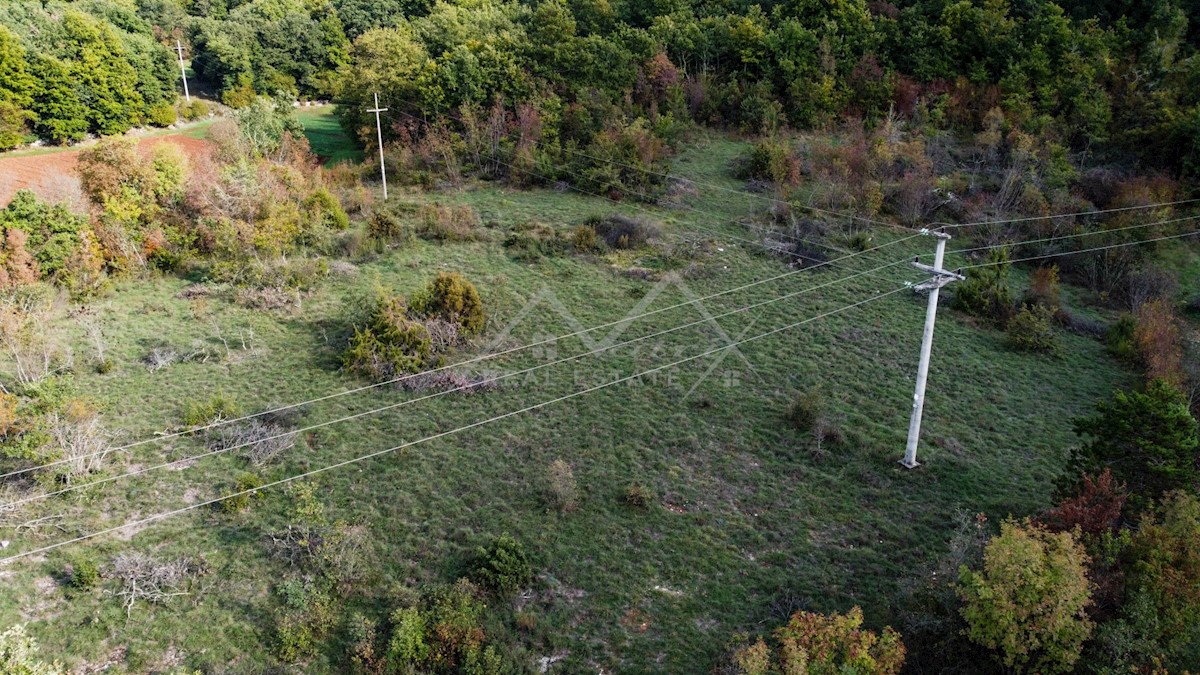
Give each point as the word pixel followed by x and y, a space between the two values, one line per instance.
pixel 84 574
pixel 585 239
pixel 218 407
pixel 985 293
pixel 390 344
pixel 19 655
pixel 1120 339
pixel 1029 602
pixel 1032 330
pixel 327 210
pixel 451 297
pixel 240 502
pixel 806 410
pixel 194 110
pixel 388 227
pixel 304 621
pixel 502 567
pixel 771 160
pixel 162 115
pixel 639 496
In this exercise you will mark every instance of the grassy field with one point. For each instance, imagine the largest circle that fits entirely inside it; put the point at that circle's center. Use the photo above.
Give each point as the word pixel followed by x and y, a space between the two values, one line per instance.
pixel 326 136
pixel 748 523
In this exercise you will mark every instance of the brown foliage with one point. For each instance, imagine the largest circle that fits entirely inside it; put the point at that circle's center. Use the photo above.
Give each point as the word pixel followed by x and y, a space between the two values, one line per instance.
pixel 1159 343
pixel 1094 508
pixel 19 268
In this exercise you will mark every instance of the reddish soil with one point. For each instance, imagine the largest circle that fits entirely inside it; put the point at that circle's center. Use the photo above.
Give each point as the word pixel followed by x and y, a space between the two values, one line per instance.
pixel 52 175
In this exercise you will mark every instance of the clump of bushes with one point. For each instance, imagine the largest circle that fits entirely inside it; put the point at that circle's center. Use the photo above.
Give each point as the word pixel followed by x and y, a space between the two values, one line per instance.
pixel 447 223
pixel 809 413
pixel 502 566
pixel 305 619
pixel 816 643
pixel 623 232
pixel 162 115
pixel 443 633
pixel 215 408
pixel 985 293
pixel 451 297
pixel 390 343
pixel 246 492
pixel 1032 330
pixel 639 496
pixel 194 110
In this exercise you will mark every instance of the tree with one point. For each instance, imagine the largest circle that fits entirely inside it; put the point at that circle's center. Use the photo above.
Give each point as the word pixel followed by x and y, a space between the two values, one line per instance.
pixel 1030 599
pixel 1148 438
pixel 825 645
pixel 16 90
pixel 264 122
pixel 61 113
pixel 18 655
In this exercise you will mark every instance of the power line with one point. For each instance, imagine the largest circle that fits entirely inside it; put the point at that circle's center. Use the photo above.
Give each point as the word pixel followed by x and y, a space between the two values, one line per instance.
pixel 1090 233
pixel 1085 250
pixel 400 404
pixel 478 359
pixel 536 406
pixel 1097 212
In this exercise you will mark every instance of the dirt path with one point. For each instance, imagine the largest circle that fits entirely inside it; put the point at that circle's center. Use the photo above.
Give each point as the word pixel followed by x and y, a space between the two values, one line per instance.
pixel 52 176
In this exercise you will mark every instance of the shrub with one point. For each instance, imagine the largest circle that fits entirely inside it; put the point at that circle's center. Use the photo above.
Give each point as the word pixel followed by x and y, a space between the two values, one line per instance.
pixel 390 344
pixel 622 231
pixel 815 643
pixel 304 621
pixel 19 655
pixel 585 239
pixel 215 408
pixel 327 210
pixel 1044 288
pixel 560 481
pixel 245 490
pixel 387 226
pixel 1159 343
pixel 1094 508
pixel 985 292
pixel 194 110
pixel 809 413
pixel 447 223
pixel 502 567
pixel 84 574
pixel 1148 438
pixel 1029 602
pixel 162 115
pixel 1120 339
pixel 639 496
pixel 772 160
pixel 451 297
pixel 1032 330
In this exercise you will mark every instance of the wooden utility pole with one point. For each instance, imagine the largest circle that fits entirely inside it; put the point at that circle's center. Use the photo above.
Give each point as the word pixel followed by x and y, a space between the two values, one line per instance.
pixel 379 133
pixel 940 278
pixel 183 71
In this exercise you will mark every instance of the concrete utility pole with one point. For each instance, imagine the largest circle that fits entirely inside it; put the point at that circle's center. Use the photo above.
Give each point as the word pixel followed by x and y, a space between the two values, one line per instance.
pixel 940 278
pixel 379 133
pixel 183 71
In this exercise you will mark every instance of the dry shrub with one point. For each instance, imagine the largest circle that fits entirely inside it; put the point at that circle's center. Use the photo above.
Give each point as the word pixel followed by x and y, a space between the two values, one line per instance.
pixel 261 440
pixel 561 489
pixel 141 577
pixel 448 223
pixel 444 380
pixel 26 335
pixel 624 232
pixel 1044 288
pixel 1159 342
pixel 78 439
pixel 1147 283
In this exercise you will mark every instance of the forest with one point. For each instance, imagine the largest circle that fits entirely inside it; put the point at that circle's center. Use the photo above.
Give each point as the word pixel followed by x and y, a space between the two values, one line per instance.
pixel 181 493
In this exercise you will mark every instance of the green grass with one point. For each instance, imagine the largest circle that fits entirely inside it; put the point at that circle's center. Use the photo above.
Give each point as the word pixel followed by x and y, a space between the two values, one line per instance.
pixel 748 514
pixel 326 137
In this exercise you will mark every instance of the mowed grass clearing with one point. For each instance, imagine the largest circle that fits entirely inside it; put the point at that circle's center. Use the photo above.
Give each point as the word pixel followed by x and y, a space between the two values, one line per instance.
pixel 326 137
pixel 747 519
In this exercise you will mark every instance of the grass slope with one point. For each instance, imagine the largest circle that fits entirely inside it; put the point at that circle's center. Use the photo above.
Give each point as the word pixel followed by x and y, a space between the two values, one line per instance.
pixel 326 137
pixel 748 517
